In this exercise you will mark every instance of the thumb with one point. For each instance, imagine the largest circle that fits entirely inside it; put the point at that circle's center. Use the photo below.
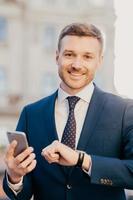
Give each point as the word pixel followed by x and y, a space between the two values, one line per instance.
pixel 11 149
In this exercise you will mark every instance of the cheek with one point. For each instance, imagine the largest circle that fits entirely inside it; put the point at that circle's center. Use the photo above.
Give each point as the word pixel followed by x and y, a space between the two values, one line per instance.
pixel 91 72
pixel 61 64
pixel 93 66
pixel 64 62
pixel 61 69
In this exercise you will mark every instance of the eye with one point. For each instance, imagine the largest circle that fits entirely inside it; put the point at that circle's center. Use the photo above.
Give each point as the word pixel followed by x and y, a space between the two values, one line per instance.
pixel 68 55
pixel 87 57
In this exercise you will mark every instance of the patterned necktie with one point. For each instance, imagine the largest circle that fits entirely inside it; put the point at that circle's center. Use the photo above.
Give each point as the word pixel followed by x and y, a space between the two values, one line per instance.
pixel 69 134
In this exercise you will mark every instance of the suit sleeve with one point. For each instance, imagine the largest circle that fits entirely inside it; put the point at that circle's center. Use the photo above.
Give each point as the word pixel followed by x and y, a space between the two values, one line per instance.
pixel 114 171
pixel 26 192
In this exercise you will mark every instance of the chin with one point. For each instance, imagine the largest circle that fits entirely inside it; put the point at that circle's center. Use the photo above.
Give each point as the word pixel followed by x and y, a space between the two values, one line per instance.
pixel 76 86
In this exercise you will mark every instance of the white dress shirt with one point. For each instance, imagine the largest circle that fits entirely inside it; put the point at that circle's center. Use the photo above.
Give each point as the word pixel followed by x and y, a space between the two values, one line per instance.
pixel 61 115
pixel 62 110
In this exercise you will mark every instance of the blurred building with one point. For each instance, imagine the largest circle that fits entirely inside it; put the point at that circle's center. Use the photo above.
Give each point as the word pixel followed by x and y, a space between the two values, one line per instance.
pixel 28 38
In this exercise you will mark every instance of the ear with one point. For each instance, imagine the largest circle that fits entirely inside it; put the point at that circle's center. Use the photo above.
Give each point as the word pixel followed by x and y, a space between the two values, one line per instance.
pixel 100 61
pixel 57 56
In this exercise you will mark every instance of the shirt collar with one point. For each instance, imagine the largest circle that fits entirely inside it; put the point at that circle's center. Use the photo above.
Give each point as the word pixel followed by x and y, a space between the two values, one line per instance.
pixel 85 94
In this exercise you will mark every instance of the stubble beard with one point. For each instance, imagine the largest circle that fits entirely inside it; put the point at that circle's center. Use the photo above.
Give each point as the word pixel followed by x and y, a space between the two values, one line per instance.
pixel 74 87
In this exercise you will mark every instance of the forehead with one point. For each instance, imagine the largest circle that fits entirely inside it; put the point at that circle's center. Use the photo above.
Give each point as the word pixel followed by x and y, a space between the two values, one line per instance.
pixel 80 43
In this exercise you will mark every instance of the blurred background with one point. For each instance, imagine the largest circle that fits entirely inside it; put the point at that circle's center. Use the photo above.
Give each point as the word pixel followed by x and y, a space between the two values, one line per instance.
pixel 28 37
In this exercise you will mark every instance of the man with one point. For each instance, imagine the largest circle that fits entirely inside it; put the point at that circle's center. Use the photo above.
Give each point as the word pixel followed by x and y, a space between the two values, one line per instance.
pixel 82 137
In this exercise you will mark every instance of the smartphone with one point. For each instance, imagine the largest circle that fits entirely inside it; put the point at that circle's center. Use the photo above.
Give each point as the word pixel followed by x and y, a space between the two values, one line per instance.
pixel 20 137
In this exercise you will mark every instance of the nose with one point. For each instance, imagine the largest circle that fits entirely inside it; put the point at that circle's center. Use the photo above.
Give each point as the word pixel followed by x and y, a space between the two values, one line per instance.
pixel 77 64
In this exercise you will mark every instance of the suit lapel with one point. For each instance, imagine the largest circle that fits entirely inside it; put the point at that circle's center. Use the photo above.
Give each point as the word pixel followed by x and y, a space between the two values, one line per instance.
pixel 93 114
pixel 50 118
pixel 50 126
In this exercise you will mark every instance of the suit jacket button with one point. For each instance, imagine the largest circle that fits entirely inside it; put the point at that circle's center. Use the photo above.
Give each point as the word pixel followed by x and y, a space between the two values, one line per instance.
pixel 102 181
pixel 69 187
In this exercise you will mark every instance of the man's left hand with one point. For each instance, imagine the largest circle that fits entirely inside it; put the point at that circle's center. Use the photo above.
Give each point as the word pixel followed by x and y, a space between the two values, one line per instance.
pixel 60 153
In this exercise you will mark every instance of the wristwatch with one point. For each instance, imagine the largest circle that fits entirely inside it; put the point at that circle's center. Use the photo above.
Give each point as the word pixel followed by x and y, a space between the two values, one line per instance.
pixel 80 159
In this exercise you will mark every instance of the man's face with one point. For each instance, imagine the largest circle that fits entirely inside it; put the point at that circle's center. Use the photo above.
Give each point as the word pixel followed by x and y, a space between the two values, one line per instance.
pixel 77 60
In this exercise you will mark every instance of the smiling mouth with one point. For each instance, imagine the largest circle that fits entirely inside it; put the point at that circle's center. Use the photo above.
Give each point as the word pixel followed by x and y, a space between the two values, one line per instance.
pixel 75 75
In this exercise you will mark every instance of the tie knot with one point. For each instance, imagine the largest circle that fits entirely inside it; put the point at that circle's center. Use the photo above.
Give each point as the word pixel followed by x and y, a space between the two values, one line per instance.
pixel 72 100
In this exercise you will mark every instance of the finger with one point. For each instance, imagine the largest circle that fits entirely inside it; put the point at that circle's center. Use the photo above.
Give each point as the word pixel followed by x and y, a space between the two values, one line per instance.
pixel 11 149
pixel 54 155
pixel 50 157
pixel 54 158
pixel 49 150
pixel 31 166
pixel 45 155
pixel 22 156
pixel 27 161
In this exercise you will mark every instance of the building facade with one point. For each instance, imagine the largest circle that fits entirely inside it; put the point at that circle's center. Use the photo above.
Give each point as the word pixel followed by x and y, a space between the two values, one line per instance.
pixel 28 39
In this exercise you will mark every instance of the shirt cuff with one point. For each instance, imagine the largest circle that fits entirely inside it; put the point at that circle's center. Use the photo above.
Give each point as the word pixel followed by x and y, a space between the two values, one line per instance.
pixel 16 188
pixel 89 171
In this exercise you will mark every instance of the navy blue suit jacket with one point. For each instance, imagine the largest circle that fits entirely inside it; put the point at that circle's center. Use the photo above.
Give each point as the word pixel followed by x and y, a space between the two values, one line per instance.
pixel 107 135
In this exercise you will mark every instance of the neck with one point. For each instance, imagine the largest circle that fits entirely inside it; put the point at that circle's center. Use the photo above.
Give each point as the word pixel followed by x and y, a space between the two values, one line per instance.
pixel 70 91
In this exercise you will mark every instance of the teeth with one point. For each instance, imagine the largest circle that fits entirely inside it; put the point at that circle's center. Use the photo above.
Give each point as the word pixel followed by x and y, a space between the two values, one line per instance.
pixel 76 74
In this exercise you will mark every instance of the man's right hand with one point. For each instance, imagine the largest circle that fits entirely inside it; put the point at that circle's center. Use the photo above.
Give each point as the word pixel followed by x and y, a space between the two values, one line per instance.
pixel 20 165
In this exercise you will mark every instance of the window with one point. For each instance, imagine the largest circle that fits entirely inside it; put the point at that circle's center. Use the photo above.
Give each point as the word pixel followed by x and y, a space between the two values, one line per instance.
pixel 3 29
pixel 2 80
pixel 42 3
pixel 50 2
pixel 49 83
pixel 49 38
pixel 72 3
pixel 99 3
pixel 3 138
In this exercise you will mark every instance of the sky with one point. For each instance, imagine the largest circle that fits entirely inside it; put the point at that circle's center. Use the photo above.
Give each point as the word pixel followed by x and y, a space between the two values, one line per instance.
pixel 124 48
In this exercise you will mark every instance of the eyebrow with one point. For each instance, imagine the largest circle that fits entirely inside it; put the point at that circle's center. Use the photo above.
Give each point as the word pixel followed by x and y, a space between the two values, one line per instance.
pixel 71 51
pixel 68 51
